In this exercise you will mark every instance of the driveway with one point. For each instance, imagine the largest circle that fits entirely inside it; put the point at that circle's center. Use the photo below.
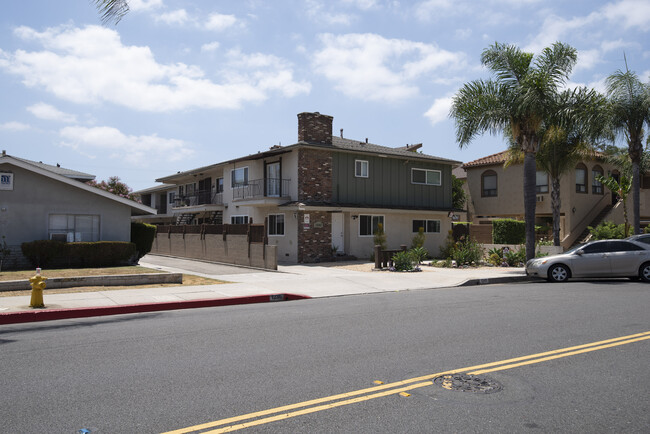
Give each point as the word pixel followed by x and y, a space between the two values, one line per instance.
pixel 192 266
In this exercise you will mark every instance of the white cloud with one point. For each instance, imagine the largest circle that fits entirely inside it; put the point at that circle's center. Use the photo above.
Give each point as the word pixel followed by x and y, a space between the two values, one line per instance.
pixel 439 111
pixel 362 4
pixel 219 22
pixel 51 113
pixel 371 67
pixel 629 13
pixel 211 46
pixel 134 150
pixel 431 9
pixel 14 126
pixel 177 17
pixel 144 5
pixel 588 59
pixel 317 11
pixel 91 65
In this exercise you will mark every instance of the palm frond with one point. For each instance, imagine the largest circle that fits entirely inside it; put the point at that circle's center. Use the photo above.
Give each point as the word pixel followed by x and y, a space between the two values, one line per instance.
pixel 112 10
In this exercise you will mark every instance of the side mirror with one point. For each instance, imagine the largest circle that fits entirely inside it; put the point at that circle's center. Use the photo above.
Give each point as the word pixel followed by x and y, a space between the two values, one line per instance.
pixel 580 252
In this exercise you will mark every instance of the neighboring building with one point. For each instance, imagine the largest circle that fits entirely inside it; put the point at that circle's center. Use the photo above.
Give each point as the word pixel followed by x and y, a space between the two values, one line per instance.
pixel 40 202
pixel 324 194
pixel 162 199
pixel 497 192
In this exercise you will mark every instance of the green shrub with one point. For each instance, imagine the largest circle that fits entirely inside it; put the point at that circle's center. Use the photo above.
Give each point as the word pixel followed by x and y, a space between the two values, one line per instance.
pixel 517 258
pixel 379 237
pixel 495 259
pixel 142 234
pixel 447 249
pixel 47 253
pixel 403 260
pixel 419 239
pixel 607 231
pixel 419 254
pixel 467 252
pixel 508 231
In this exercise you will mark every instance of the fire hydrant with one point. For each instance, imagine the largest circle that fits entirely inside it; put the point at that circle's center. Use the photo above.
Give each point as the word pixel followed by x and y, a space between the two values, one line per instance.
pixel 38 285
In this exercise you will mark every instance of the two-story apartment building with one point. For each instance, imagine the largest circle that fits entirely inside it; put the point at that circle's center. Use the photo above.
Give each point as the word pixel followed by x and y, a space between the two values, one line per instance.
pixel 324 194
pixel 497 192
pixel 162 199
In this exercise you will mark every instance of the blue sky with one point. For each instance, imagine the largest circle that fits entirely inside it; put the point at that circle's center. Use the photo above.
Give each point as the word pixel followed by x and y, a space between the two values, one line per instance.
pixel 179 84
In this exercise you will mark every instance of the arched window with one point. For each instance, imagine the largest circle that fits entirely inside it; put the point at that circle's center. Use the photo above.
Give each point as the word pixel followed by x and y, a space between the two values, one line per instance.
pixel 489 183
pixel 581 178
pixel 596 185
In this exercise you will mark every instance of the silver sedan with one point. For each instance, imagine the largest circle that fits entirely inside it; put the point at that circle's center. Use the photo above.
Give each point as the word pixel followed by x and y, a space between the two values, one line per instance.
pixel 605 258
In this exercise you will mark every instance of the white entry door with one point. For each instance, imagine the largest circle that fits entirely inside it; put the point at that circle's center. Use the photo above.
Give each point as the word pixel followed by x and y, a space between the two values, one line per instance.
pixel 337 232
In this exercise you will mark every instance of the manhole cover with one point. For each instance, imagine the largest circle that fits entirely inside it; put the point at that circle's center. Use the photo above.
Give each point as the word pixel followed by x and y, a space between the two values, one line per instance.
pixel 468 383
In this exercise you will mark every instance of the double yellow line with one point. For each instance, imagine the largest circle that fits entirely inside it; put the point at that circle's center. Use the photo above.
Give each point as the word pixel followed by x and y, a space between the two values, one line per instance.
pixel 320 404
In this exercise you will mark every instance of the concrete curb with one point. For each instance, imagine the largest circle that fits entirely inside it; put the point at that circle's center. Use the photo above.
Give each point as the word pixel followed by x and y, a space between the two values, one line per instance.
pixel 86 312
pixel 494 280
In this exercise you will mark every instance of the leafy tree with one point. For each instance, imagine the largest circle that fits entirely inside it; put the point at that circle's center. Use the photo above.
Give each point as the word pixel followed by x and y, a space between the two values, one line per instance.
pixel 458 196
pixel 112 10
pixel 115 186
pixel 516 102
pixel 630 103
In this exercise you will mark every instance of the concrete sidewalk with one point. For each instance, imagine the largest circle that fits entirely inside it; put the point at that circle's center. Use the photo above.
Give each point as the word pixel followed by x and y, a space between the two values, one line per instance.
pixel 249 286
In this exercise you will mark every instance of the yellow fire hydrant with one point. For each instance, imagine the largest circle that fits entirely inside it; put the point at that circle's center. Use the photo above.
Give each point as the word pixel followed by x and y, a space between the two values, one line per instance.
pixel 38 285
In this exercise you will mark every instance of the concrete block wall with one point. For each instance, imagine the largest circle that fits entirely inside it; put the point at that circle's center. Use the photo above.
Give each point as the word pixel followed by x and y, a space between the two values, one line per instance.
pixel 212 247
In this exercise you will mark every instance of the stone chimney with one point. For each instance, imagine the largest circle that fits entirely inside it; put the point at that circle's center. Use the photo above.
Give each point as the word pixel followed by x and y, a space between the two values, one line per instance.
pixel 315 128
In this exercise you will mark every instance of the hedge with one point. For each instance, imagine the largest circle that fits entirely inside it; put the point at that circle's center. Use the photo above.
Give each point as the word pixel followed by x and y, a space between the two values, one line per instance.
pixel 52 254
pixel 142 234
pixel 508 231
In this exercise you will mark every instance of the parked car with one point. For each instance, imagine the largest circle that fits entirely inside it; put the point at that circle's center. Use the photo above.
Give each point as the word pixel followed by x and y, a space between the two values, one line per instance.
pixel 604 258
pixel 642 238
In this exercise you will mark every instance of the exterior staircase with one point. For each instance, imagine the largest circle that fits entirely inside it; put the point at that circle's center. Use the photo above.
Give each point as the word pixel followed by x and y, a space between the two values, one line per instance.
pixel 216 217
pixel 585 236
pixel 185 218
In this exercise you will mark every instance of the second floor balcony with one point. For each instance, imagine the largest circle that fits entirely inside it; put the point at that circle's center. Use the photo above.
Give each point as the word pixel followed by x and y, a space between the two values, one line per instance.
pixel 206 197
pixel 261 188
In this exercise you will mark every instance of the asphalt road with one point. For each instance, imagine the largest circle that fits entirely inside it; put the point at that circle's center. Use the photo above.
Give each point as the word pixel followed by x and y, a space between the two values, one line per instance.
pixel 166 371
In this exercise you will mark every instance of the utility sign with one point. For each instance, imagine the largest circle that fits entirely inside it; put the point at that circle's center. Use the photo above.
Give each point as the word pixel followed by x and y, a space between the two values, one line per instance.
pixel 276 297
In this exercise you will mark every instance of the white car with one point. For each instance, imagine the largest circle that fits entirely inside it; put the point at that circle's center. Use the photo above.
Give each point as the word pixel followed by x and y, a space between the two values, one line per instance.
pixel 605 258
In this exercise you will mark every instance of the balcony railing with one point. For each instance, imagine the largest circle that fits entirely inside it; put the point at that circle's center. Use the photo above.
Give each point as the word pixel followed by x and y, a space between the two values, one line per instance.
pixel 270 187
pixel 206 197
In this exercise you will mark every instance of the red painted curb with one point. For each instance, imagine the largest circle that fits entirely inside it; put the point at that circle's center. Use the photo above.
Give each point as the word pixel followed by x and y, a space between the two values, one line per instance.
pixel 85 312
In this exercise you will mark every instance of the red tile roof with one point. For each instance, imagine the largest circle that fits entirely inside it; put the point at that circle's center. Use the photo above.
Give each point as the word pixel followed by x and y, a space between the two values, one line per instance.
pixel 498 158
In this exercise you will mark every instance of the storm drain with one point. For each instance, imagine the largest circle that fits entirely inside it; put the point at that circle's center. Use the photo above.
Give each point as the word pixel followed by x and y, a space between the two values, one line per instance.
pixel 468 383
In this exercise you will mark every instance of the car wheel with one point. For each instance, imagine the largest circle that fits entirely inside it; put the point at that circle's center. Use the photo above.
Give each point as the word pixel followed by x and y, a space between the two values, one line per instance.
pixel 644 272
pixel 560 273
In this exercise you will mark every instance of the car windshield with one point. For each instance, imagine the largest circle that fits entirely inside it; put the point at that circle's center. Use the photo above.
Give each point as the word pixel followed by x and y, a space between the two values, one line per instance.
pixel 573 249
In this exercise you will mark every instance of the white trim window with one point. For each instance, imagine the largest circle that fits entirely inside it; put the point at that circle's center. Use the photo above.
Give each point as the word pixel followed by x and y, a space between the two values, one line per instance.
pixel 239 177
pixel 426 177
pixel 73 227
pixel 238 219
pixel 276 225
pixel 368 224
pixel 429 226
pixel 360 168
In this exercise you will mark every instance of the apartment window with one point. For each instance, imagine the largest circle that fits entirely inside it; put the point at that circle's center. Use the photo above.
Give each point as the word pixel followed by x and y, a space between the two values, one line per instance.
pixel 219 185
pixel 239 220
pixel 368 224
pixel 489 183
pixel 360 168
pixel 239 177
pixel 172 196
pixel 73 227
pixel 541 185
pixel 581 178
pixel 425 176
pixel 596 185
pixel 429 226
pixel 276 224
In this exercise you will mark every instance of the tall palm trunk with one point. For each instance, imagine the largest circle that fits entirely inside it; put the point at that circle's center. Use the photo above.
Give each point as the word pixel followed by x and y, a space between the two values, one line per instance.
pixel 555 205
pixel 530 201
pixel 635 155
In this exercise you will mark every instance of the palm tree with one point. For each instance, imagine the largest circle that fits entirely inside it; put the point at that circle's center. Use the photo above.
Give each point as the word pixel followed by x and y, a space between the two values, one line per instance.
pixel 112 10
pixel 516 102
pixel 621 188
pixel 630 101
pixel 580 117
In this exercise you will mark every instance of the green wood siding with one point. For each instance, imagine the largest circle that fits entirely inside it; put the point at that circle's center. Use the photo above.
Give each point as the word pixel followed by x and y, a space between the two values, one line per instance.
pixel 388 183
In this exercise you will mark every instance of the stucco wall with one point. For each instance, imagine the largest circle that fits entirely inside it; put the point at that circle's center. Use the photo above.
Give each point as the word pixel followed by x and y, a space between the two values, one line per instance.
pixel 24 211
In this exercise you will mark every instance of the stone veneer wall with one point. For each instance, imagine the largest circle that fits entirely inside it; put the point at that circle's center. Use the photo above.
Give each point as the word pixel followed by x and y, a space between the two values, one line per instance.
pixel 315 127
pixel 314 238
pixel 314 175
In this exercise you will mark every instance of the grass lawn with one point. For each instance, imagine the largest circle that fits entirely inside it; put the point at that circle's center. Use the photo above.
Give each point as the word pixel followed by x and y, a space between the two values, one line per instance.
pixel 188 279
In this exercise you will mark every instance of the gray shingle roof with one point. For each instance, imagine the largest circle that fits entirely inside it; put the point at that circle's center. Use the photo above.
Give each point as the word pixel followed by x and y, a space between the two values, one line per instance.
pixel 371 148
pixel 68 173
